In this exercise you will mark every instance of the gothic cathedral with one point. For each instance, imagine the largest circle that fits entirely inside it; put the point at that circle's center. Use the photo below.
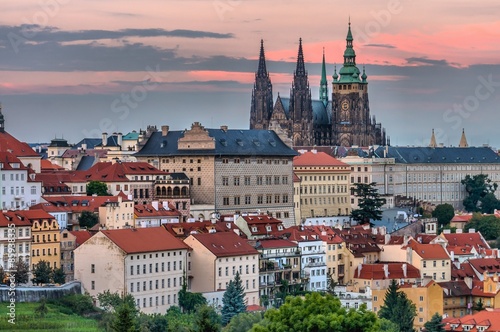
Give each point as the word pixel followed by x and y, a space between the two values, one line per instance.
pixel 342 121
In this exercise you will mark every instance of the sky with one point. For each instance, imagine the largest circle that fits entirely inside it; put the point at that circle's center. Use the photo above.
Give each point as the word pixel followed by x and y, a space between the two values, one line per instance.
pixel 76 68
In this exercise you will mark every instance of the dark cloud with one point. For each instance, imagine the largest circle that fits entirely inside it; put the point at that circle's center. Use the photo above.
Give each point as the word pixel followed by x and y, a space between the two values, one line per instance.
pixel 380 45
pixel 37 33
pixel 426 61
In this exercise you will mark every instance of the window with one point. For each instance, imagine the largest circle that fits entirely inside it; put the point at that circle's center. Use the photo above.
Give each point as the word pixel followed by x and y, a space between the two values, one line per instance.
pixel 248 199
pixel 92 268
pixel 276 198
pixel 269 199
pixel 131 270
pixel 237 200
pixel 284 180
pixel 268 180
pixel 259 180
pixel 276 180
pixel 225 201
pixel 225 181
pixel 260 199
pixel 236 180
pixel 285 198
pixel 247 180
pixel 92 285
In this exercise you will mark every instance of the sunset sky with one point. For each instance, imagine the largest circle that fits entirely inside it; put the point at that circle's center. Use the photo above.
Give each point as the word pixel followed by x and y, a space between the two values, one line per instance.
pixel 75 68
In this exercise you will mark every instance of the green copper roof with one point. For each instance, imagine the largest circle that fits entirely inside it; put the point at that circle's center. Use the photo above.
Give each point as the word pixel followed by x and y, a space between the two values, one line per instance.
pixel 349 73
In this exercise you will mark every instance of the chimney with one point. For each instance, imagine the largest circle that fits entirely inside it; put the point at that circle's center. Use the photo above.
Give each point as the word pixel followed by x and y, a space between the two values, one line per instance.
pixel 387 238
pixel 155 205
pixel 405 270
pixel 223 128
pixel 165 205
pixel 119 139
pixel 468 282
pixel 104 139
pixel 164 130
pixel 472 230
pixel 386 271
pixel 360 267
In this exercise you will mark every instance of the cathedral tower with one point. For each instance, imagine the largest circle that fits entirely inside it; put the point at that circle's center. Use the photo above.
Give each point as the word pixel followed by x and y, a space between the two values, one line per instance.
pixel 300 104
pixel 262 95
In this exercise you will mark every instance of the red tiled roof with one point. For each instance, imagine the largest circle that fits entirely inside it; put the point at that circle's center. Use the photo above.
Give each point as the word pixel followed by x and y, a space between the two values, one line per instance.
pixel 8 159
pixel 298 234
pixel 481 265
pixel 275 243
pixel 465 270
pixel 258 225
pixel 326 234
pixel 47 165
pixel 18 148
pixel 116 172
pixel 466 240
pixel 316 159
pixel 184 229
pixel 9 217
pixel 147 210
pixel 461 218
pixel 376 271
pixel 81 236
pixel 74 203
pixel 489 318
pixel 34 214
pixel 425 238
pixel 225 244
pixel 428 251
pixel 139 240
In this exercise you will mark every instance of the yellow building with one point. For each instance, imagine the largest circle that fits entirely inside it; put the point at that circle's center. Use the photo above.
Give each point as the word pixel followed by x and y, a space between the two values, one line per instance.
pixel 324 185
pixel 427 297
pixel 432 260
pixel 46 245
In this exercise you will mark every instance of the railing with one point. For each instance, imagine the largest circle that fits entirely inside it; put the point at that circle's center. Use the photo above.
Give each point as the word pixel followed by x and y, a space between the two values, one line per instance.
pixel 314 264
pixel 280 254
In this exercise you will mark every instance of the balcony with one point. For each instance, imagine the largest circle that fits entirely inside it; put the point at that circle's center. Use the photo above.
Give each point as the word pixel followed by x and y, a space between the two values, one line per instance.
pixel 280 254
pixel 315 264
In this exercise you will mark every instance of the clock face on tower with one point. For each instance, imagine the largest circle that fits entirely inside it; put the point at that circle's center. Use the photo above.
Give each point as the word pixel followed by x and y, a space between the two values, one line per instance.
pixel 345 105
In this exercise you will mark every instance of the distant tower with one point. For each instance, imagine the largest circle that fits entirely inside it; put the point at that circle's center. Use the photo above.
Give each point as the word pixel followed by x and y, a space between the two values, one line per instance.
pixel 2 121
pixel 433 144
pixel 301 104
pixel 463 140
pixel 323 84
pixel 262 95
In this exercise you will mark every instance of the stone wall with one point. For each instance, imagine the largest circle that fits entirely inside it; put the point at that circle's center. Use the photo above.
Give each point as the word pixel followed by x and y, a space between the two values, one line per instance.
pixel 411 229
pixel 34 294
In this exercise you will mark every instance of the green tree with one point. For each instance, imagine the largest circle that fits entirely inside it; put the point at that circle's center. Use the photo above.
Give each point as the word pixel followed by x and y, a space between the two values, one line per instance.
pixel 152 323
pixel 207 320
pixel 435 324
pixel 330 288
pixel 20 272
pixel 179 322
pixel 479 190
pixel 3 275
pixel 369 204
pixel 397 308
pixel 388 326
pixel 124 319
pixel 479 305
pixel 41 310
pixel 488 226
pixel 110 302
pixel 98 188
pixel 243 322
pixel 42 273
pixel 188 302
pixel 58 276
pixel 88 219
pixel 444 213
pixel 233 301
pixel 318 313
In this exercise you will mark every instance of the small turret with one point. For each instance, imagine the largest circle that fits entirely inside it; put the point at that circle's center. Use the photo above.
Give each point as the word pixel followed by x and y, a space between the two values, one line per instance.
pixel 433 143
pixel 463 140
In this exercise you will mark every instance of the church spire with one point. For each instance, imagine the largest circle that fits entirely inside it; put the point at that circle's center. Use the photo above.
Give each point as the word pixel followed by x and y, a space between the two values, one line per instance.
pixel 433 143
pixel 301 68
pixel 262 71
pixel 349 54
pixel 323 85
pixel 463 140
pixel 2 121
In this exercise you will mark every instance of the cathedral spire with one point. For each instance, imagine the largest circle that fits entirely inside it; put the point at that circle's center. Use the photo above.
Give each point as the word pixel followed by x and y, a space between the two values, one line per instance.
pixel 301 68
pixel 349 54
pixel 463 140
pixel 323 85
pixel 2 121
pixel 262 71
pixel 433 143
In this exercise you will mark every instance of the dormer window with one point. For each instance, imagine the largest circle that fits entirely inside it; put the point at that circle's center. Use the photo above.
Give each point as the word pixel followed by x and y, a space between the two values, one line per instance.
pixel 268 228
pixel 254 229
pixel 280 228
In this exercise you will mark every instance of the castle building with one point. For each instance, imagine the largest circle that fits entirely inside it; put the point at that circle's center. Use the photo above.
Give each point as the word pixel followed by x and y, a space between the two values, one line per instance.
pixel 343 121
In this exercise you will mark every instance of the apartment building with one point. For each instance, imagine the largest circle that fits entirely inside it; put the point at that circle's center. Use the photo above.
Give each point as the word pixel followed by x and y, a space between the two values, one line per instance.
pixel 19 188
pixel 155 214
pixel 147 263
pixel 217 256
pixel 230 171
pixel 258 226
pixel 15 239
pixel 431 259
pixel 70 240
pixel 324 185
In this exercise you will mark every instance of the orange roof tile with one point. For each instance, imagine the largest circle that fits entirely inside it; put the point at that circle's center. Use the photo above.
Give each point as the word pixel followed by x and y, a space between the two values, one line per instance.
pixel 81 236
pixel 428 251
pixel 395 271
pixel 225 244
pixel 140 240
pixel 16 147
pixel 316 159
pixel 9 217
